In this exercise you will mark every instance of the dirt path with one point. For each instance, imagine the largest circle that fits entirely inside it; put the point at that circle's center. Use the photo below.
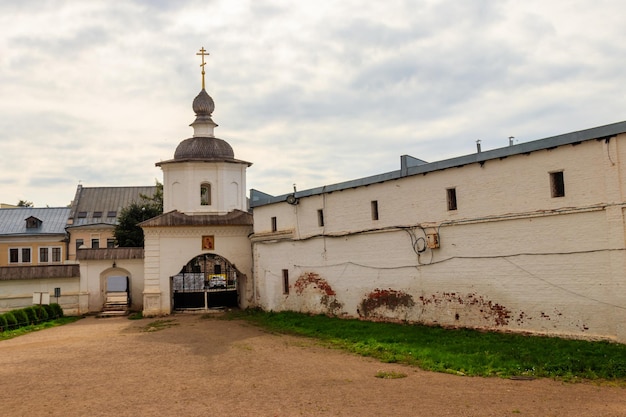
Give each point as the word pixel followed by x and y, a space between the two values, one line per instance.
pixel 205 367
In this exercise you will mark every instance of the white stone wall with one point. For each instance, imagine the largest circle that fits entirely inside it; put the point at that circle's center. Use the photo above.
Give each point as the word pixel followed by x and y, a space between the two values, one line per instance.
pixel 93 274
pixel 511 257
pixel 19 293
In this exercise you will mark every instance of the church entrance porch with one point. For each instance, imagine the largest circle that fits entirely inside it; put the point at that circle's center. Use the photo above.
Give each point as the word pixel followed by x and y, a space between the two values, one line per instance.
pixel 206 281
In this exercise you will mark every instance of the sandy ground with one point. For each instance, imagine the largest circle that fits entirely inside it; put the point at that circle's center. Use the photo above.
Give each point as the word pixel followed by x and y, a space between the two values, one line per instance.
pixel 207 367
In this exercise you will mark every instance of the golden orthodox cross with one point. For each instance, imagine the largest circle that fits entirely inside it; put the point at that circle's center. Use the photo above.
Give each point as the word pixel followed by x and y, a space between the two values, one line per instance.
pixel 202 52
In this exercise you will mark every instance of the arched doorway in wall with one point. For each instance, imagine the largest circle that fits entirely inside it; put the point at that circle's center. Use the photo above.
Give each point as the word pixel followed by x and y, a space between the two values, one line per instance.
pixel 206 281
pixel 115 290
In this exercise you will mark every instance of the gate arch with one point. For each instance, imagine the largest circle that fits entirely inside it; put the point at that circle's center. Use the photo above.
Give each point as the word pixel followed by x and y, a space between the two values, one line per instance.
pixel 206 281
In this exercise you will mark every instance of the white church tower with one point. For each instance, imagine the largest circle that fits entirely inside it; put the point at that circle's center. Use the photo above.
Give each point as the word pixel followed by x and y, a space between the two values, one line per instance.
pixel 204 177
pixel 197 254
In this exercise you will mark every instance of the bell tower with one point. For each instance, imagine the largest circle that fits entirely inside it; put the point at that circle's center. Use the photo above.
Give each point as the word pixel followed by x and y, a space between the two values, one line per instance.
pixel 204 177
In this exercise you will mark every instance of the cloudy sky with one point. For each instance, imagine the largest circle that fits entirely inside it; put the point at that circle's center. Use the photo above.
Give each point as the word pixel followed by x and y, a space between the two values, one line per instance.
pixel 312 92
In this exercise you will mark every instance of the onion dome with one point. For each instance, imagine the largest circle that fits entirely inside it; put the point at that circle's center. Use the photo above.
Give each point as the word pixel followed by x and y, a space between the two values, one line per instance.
pixel 203 104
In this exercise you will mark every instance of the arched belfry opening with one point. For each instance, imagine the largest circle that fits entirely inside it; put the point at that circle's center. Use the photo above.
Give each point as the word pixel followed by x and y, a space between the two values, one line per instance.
pixel 207 281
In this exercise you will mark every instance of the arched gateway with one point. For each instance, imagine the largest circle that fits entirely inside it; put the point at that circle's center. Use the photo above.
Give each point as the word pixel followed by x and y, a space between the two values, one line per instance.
pixel 206 281
pixel 206 219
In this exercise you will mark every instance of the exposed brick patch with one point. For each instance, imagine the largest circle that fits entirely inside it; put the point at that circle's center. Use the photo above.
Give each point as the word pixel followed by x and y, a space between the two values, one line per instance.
pixel 390 300
pixel 311 279
pixel 492 312
pixel 328 301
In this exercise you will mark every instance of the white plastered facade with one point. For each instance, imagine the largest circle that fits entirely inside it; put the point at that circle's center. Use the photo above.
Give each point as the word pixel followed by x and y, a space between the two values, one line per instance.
pixel 512 257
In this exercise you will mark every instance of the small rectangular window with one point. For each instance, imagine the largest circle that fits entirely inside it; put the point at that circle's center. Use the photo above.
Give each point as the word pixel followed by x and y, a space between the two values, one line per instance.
pixel 97 214
pixel 43 254
pixel 274 228
pixel 56 254
pixel 110 242
pixel 557 184
pixel 26 255
pixel 112 214
pixel 451 195
pixel 320 217
pixel 79 243
pixel 82 214
pixel 374 205
pixel 95 243
pixel 285 281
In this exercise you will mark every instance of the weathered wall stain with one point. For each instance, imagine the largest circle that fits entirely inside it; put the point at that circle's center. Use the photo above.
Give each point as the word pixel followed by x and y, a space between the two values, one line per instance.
pixel 380 301
pixel 320 287
pixel 494 314
pixel 311 279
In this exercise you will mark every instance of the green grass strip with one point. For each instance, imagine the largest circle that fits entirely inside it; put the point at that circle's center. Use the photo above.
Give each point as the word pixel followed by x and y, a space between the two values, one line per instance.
pixel 10 334
pixel 457 351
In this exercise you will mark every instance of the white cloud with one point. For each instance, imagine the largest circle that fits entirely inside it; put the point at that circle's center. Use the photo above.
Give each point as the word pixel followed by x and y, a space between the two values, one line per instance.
pixel 310 92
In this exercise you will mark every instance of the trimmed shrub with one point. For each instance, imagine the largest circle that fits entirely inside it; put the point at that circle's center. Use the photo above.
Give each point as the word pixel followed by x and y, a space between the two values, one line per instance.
pixel 50 311
pixel 3 323
pixel 31 312
pixel 41 313
pixel 11 321
pixel 21 317
pixel 58 310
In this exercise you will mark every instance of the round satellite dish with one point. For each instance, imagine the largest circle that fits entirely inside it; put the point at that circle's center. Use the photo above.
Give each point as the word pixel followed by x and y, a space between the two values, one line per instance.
pixel 291 199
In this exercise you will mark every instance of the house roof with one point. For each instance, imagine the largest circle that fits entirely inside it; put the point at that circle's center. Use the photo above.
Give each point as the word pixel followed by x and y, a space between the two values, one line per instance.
pixel 176 218
pixel 53 220
pixel 102 205
pixel 413 166
pixel 109 254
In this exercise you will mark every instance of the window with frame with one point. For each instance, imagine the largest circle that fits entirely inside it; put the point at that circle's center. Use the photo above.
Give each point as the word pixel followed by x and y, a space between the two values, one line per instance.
pixel 97 214
pixel 110 242
pixel 205 194
pixel 274 224
pixel 79 243
pixel 19 255
pixel 557 184
pixel 50 254
pixel 451 198
pixel 95 243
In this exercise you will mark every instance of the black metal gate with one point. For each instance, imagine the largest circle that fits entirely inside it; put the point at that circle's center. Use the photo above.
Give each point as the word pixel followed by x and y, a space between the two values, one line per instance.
pixel 207 281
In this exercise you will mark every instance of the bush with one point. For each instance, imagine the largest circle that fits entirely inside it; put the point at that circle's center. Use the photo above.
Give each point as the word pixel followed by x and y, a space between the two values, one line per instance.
pixel 41 313
pixel 50 311
pixel 58 310
pixel 3 323
pixel 11 321
pixel 21 317
pixel 31 312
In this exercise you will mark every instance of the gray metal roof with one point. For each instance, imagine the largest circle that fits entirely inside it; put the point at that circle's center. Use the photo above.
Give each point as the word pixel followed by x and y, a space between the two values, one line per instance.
pixel 102 205
pixel 413 166
pixel 53 221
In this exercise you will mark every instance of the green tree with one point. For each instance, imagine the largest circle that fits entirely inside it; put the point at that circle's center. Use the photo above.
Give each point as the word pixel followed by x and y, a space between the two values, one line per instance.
pixel 156 198
pixel 25 203
pixel 127 232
